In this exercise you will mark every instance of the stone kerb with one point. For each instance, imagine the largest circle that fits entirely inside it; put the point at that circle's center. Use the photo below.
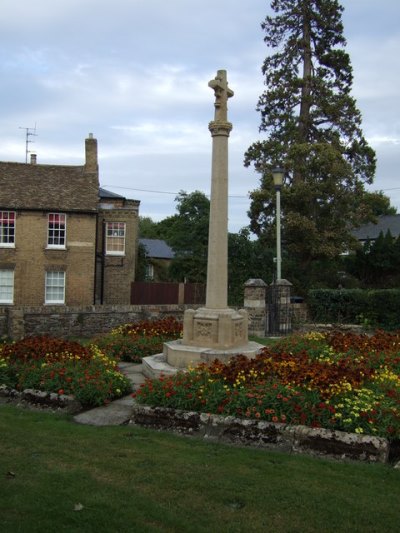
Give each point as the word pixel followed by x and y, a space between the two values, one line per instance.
pixel 262 434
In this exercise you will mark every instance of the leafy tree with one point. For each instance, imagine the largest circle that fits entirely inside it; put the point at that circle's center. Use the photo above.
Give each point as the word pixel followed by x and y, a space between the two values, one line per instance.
pixel 148 229
pixel 313 130
pixel 376 203
pixel 187 233
pixel 246 259
pixel 141 262
pixel 376 264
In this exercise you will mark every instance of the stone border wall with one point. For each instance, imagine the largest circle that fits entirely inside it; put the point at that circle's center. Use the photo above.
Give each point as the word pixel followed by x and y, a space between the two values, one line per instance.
pixel 262 434
pixel 63 321
pixel 36 398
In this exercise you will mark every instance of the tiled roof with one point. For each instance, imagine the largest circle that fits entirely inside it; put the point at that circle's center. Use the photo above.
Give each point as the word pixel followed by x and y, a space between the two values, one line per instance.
pixel 157 248
pixel 103 193
pixel 48 187
pixel 385 223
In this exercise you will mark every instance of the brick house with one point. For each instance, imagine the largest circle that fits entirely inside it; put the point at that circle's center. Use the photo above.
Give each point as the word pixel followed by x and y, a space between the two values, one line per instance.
pixel 63 240
pixel 117 240
pixel 384 223
pixel 159 256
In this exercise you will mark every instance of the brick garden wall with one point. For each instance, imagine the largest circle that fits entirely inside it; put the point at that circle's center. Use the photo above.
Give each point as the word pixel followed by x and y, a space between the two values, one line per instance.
pixel 60 321
pixel 17 322
pixel 87 321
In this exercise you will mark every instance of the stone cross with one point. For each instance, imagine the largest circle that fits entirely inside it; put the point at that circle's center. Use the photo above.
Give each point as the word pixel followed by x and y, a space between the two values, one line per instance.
pixel 222 93
pixel 217 265
pixel 214 331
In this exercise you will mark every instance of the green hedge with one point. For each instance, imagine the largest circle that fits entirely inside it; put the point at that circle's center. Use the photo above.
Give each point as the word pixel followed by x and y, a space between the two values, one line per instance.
pixel 376 308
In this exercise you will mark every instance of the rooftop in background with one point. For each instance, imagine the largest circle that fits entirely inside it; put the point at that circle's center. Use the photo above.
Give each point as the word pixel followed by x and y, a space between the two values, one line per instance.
pixel 157 248
pixel 103 193
pixel 384 224
pixel 50 187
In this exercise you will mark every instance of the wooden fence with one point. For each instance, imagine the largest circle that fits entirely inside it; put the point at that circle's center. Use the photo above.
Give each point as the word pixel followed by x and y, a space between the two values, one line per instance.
pixel 144 293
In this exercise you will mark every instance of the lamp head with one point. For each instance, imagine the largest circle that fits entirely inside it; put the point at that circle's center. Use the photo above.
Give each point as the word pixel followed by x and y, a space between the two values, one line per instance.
pixel 277 175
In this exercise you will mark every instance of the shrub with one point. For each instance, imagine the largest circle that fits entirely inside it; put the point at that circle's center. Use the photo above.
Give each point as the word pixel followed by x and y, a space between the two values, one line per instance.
pixel 168 328
pixel 63 367
pixel 132 342
pixel 377 308
pixel 337 306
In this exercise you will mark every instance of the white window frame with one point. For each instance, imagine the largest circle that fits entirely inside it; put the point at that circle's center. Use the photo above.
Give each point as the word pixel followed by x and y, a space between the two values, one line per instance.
pixel 6 286
pixel 59 231
pixel 7 226
pixel 54 284
pixel 115 230
pixel 149 272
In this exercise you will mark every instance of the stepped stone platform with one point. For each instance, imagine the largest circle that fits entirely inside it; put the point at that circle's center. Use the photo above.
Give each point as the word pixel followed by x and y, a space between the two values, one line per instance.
pixel 184 356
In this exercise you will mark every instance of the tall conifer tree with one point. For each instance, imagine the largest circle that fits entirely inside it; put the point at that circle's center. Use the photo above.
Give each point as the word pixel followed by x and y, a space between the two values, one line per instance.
pixel 313 130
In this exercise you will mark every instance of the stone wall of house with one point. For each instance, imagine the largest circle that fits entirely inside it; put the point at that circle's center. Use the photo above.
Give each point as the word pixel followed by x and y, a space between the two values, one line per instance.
pixel 31 258
pixel 80 321
pixel 115 273
pixel 3 322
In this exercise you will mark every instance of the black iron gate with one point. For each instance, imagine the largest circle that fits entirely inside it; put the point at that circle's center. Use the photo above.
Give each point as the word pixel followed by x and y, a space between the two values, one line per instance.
pixel 279 314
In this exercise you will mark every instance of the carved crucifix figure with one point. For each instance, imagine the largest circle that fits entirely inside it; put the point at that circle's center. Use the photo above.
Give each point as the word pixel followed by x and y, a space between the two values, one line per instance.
pixel 222 93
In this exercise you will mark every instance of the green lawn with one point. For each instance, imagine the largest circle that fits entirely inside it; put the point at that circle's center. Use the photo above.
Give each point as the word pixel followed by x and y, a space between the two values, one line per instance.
pixel 58 476
pixel 266 341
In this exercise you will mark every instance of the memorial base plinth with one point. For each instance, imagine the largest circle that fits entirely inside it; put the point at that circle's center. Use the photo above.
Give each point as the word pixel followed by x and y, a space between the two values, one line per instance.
pixel 219 329
pixel 178 356
pixel 208 334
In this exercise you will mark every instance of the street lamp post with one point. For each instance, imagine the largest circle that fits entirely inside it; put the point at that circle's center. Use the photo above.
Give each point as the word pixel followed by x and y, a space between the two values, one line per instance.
pixel 277 175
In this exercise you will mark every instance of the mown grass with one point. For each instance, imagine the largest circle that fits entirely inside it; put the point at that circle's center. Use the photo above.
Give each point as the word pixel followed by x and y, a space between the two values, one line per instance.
pixel 59 476
pixel 265 341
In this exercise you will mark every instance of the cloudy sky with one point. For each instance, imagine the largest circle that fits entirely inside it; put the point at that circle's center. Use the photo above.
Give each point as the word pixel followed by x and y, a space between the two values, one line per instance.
pixel 136 72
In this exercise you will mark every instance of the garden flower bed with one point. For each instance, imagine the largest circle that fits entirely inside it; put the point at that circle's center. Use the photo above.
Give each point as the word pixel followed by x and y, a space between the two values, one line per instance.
pixel 339 381
pixel 60 369
pixel 132 342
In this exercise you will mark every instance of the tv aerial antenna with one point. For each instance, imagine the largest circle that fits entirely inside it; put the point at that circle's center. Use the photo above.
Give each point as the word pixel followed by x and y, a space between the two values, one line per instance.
pixel 29 132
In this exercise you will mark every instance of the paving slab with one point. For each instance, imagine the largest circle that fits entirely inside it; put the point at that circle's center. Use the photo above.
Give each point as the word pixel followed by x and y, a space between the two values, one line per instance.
pixel 119 411
pixel 116 413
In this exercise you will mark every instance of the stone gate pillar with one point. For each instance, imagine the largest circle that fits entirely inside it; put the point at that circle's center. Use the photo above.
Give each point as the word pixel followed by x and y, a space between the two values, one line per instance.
pixel 254 302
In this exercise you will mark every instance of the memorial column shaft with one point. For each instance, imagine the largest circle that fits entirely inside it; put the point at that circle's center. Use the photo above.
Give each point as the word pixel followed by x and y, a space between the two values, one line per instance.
pixel 217 266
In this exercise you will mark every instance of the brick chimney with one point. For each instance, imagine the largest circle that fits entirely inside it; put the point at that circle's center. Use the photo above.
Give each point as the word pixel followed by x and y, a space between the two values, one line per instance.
pixel 33 159
pixel 91 163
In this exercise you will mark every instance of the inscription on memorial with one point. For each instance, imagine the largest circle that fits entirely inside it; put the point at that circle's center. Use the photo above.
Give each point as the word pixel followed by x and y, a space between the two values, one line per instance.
pixel 238 330
pixel 203 329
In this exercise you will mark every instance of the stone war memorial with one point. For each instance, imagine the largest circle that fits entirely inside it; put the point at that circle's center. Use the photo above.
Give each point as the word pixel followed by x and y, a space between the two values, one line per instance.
pixel 214 331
